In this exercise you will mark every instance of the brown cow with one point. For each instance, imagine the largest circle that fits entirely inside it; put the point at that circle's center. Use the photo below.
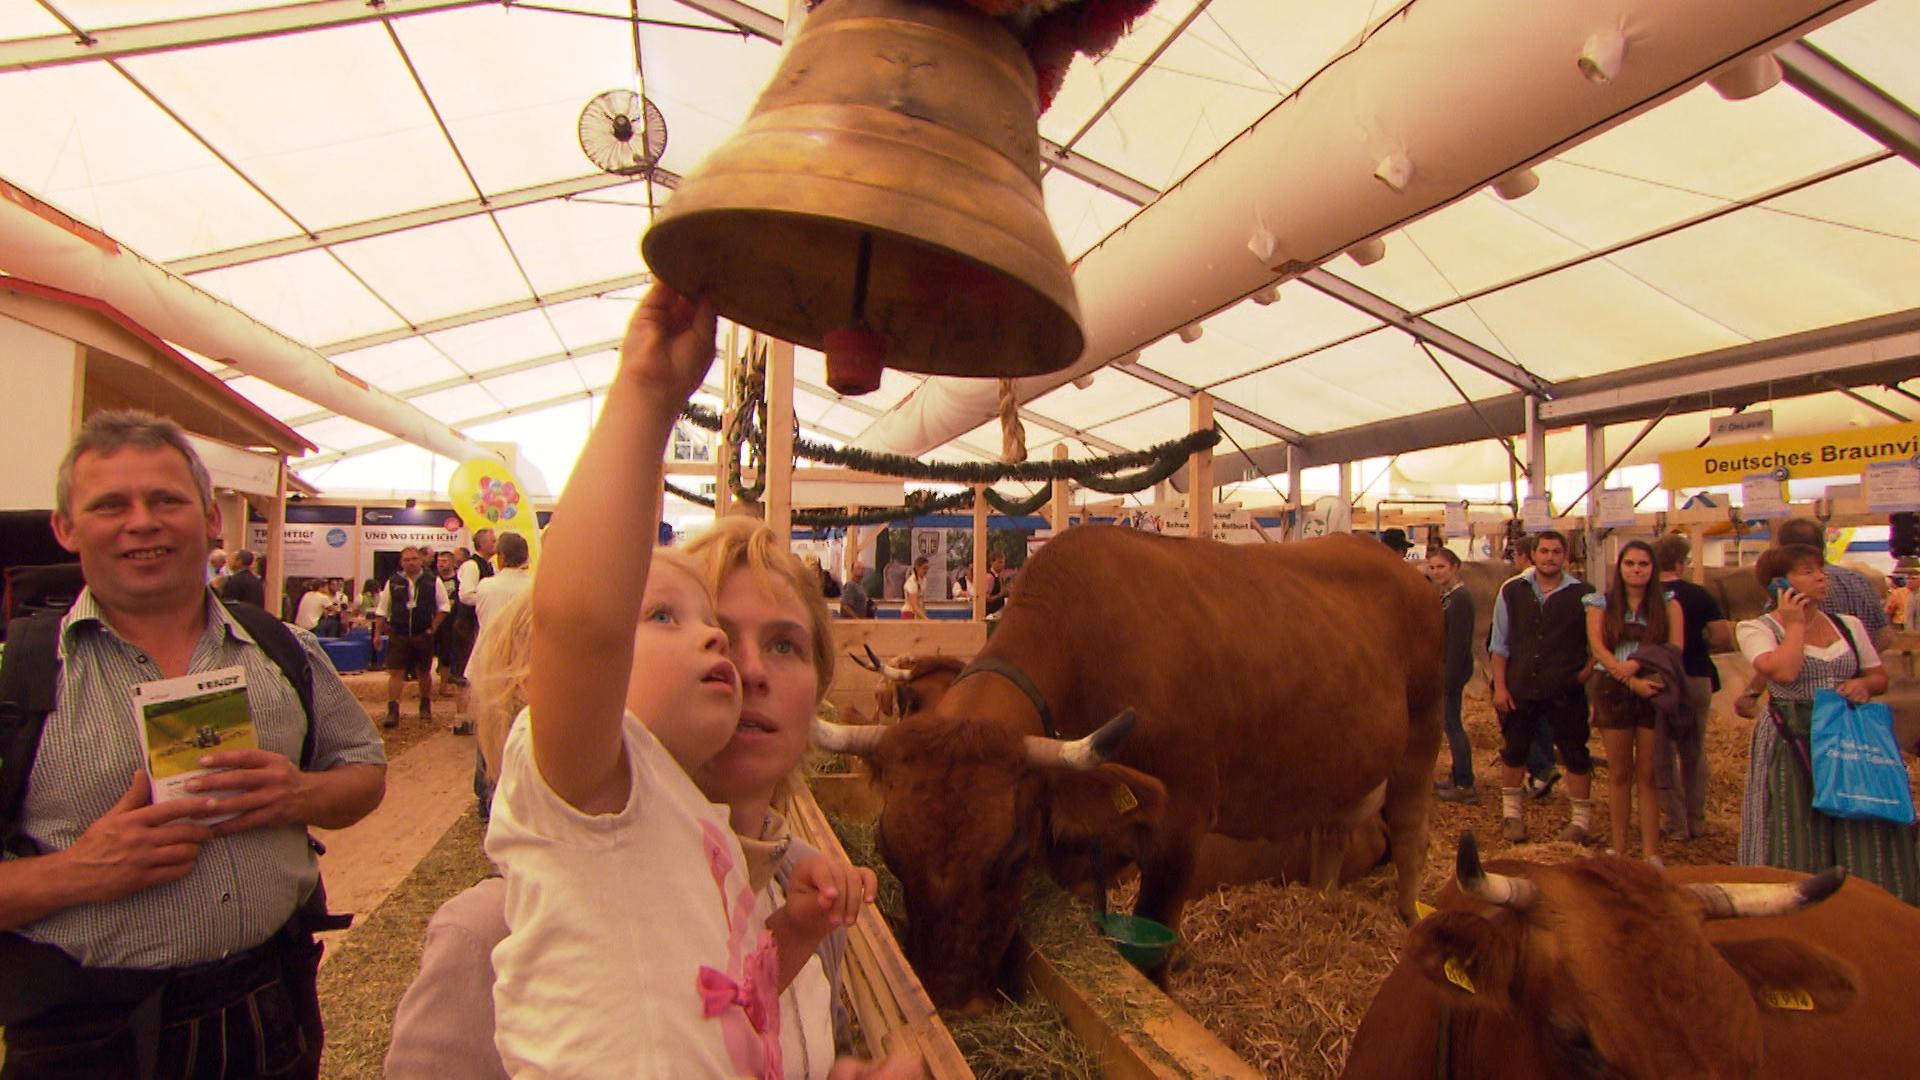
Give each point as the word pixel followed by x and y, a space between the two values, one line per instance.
pixel 1610 967
pixel 916 684
pixel 1275 688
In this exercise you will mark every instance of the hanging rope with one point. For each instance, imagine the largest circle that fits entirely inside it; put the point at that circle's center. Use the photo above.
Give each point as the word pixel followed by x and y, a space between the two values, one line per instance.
pixel 748 424
pixel 1013 433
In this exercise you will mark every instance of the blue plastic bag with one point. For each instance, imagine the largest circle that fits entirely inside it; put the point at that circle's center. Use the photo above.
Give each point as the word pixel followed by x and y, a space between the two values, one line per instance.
pixel 1857 770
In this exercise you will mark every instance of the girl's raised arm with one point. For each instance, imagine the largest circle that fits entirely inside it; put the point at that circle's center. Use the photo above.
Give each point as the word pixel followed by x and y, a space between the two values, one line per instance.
pixel 594 557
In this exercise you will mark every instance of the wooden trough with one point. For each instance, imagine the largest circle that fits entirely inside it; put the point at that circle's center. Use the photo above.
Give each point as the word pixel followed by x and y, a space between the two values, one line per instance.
pixel 1129 1025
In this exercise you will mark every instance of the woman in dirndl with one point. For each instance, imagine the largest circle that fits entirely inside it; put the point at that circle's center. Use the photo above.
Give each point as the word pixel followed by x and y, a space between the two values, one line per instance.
pixel 1800 650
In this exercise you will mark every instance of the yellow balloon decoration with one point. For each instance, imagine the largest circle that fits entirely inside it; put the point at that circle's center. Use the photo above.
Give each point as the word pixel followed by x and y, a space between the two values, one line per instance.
pixel 487 495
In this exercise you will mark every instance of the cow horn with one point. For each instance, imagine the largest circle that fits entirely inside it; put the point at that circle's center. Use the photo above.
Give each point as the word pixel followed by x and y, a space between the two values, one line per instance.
pixel 1739 900
pixel 1497 889
pixel 1082 753
pixel 872 665
pixel 884 668
pixel 861 739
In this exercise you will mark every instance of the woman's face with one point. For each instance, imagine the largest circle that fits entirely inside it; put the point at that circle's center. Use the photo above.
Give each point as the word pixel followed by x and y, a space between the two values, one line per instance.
pixel 772 646
pixel 1441 572
pixel 1809 579
pixel 1636 567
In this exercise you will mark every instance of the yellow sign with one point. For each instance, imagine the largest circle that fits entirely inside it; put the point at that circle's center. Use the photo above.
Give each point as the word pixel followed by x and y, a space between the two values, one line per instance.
pixel 1837 453
pixel 1792 999
pixel 486 495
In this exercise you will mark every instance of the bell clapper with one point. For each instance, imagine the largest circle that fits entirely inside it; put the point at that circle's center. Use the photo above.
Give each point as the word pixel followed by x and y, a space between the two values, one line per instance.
pixel 855 354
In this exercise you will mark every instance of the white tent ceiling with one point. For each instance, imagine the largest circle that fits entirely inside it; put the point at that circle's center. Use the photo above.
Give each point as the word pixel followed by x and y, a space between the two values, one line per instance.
pixel 402 189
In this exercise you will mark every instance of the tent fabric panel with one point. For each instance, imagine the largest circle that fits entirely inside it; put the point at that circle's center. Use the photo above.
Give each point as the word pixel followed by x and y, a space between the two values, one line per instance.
pixel 511 84
pixel 270 397
pixel 522 388
pixel 1082 215
pixel 1879 42
pixel 85 139
pixel 564 243
pixel 329 123
pixel 1589 319
pixel 1193 101
pixel 458 404
pixel 399 366
pixel 1113 394
pixel 341 433
pixel 482 345
pixel 1248 336
pixel 307 296
pixel 398 469
pixel 1376 377
pixel 1142 429
pixel 596 369
pixel 1090 82
pixel 439 270
pixel 1804 274
pixel 590 321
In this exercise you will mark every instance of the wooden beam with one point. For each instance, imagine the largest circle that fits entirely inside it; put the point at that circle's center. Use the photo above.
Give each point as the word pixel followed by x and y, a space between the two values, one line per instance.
pixel 1059 511
pixel 1200 470
pixel 976 582
pixel 779 495
pixel 729 356
pixel 276 582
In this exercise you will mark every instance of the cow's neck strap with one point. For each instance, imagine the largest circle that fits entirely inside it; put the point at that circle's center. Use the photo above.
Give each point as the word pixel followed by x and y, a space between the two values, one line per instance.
pixel 1007 671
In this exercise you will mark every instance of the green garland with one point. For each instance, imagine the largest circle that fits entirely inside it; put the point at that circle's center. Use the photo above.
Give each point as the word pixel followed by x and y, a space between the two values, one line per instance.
pixel 1151 466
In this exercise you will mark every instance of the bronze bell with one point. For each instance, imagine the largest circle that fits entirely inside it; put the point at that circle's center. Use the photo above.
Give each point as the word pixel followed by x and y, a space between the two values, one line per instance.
pixel 883 203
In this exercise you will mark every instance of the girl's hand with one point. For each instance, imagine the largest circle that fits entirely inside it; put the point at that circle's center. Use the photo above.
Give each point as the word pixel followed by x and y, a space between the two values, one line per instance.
pixel 1793 608
pixel 669 344
pixel 1854 690
pixel 824 894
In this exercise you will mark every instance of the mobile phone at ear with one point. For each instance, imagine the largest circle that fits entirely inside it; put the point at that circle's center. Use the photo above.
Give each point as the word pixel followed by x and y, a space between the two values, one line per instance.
pixel 1776 587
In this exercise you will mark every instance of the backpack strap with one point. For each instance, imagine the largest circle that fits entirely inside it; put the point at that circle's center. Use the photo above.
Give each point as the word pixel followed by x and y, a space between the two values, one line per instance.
pixel 28 680
pixel 284 649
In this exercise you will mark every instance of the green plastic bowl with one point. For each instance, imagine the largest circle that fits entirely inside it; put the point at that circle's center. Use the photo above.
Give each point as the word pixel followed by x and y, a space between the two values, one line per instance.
pixel 1143 942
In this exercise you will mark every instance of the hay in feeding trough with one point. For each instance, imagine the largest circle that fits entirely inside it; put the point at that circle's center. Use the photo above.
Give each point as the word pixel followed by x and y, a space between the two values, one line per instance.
pixel 1020 1039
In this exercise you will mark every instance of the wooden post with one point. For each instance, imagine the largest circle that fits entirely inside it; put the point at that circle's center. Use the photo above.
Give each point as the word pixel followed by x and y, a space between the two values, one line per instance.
pixel 978 575
pixel 1059 513
pixel 1343 513
pixel 233 521
pixel 1598 567
pixel 723 495
pixel 1200 471
pixel 276 582
pixel 779 495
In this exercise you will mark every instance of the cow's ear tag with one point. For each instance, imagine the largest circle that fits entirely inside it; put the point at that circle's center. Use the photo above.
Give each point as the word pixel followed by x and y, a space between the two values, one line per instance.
pixel 1457 975
pixel 1790 1000
pixel 1423 909
pixel 1124 798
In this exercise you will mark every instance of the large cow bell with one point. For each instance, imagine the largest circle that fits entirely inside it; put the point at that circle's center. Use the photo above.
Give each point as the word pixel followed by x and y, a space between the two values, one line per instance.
pixel 883 203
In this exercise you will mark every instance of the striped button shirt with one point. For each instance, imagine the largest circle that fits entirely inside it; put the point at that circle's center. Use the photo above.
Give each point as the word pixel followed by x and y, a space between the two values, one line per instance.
pixel 242 887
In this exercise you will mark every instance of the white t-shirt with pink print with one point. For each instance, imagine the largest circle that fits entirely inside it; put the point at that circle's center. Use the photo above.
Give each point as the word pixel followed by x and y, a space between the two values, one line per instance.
pixel 633 949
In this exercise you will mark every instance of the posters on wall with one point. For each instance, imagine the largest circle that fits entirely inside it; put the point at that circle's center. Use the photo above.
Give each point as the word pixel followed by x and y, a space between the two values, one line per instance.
pixel 1763 497
pixel 1536 515
pixel 317 541
pixel 386 530
pixel 1456 521
pixel 1614 509
pixel 1893 487
pixel 933 545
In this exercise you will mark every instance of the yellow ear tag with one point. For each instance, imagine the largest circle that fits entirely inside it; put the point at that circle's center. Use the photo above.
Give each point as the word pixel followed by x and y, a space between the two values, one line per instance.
pixel 1457 975
pixel 1423 909
pixel 1123 798
pixel 1790 1000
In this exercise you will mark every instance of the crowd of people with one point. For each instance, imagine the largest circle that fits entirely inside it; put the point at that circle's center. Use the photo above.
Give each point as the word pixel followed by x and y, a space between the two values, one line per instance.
pixel 1635 661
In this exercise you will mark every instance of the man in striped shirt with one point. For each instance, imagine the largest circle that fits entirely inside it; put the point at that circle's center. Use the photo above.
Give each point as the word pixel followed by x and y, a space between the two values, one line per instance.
pixel 176 942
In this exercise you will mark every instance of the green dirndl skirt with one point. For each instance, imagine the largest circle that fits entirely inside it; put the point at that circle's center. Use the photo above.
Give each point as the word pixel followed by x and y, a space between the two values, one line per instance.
pixel 1802 838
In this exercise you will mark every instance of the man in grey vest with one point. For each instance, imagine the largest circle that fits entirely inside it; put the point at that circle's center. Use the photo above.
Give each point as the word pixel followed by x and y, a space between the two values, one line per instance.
pixel 1539 649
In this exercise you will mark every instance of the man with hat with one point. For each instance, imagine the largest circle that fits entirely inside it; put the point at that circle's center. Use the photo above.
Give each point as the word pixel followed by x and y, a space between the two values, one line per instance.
pixel 1397 540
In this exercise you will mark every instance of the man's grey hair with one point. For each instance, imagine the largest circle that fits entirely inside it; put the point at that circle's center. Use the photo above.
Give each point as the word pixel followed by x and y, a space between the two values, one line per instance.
pixel 1802 530
pixel 108 432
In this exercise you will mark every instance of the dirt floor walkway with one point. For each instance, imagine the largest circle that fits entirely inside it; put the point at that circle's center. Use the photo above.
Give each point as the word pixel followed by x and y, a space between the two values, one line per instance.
pixel 429 787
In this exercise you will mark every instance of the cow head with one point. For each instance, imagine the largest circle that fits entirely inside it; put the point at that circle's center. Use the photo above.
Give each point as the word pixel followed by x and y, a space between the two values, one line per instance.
pixel 1604 968
pixel 967 806
pixel 915 685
